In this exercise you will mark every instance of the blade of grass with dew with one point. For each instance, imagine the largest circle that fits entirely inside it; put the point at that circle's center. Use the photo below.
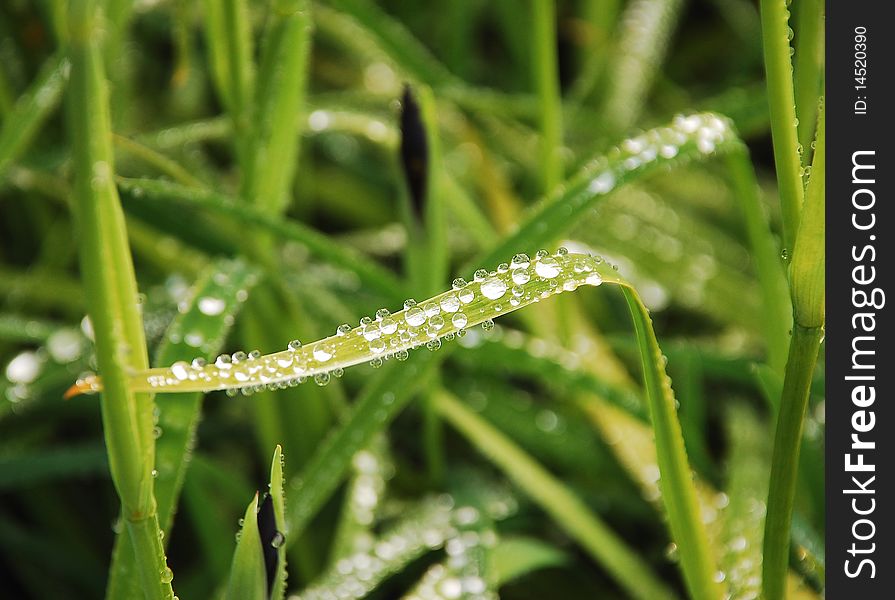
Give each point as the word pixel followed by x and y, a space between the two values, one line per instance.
pixel 425 526
pixel 467 304
pixel 545 67
pixel 558 501
pixel 808 299
pixel 775 35
pixel 678 490
pixel 229 38
pixel 200 328
pixel 248 580
pixel 112 298
pixel 363 498
pixel 370 274
pixel 280 99
pixel 32 108
pixel 644 33
pixel 743 528
pixel 685 139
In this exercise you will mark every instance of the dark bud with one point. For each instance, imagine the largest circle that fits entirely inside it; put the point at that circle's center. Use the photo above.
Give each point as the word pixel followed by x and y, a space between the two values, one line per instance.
pixel 414 152
pixel 271 539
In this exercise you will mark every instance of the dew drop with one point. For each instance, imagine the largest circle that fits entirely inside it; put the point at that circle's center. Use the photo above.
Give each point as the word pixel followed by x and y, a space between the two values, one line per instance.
pixel 343 329
pixel 277 540
pixel 479 275
pixel 458 283
pixel 520 261
pixel 415 316
pixel 321 379
pixel 488 325
pixel 402 354
pixel 521 276
pixel 295 345
pixel 167 575
pixel 547 267
pixel 377 346
pixel 493 288
pixel 433 345
pixel 323 352
pixel 180 370
pixel 388 326
pixel 459 320
pixel 450 303
pixel 466 296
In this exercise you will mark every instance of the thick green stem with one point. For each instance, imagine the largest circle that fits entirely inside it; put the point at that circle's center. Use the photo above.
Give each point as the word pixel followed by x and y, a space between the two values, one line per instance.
pixel 546 76
pixel 109 282
pixel 808 299
pixel 785 463
pixel 781 102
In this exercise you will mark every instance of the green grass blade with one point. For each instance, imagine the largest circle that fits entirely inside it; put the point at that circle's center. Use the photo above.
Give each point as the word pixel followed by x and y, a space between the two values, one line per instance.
pixel 677 487
pixel 557 500
pixel 781 101
pixel 685 139
pixel 808 297
pixel 777 313
pixel 370 274
pixel 280 99
pixel 229 38
pixel 108 276
pixel 545 67
pixel 248 580
pixel 32 109
pixel 278 497
pixel 200 330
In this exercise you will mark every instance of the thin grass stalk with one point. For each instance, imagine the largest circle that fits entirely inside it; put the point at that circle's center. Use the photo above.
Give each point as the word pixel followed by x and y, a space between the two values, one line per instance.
pixel 781 103
pixel 546 78
pixel 677 485
pixel 109 281
pixel 777 313
pixel 808 295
